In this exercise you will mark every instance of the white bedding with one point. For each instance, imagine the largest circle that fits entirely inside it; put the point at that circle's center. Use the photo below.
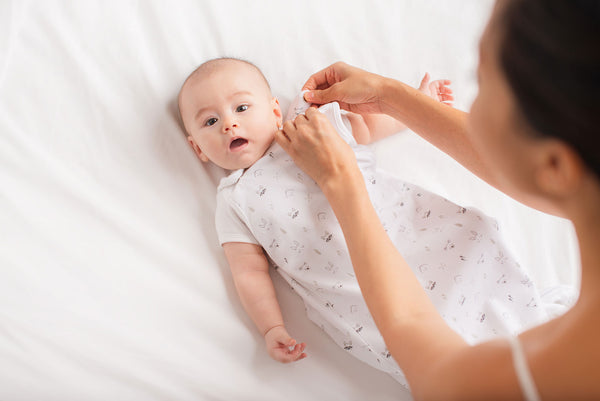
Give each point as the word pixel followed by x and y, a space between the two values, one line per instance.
pixel 112 283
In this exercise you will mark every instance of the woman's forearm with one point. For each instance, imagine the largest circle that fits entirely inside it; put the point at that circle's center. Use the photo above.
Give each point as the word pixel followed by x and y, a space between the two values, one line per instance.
pixel 414 332
pixel 443 126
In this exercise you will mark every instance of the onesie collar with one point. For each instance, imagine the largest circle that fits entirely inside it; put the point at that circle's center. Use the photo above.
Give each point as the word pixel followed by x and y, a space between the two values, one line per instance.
pixel 230 179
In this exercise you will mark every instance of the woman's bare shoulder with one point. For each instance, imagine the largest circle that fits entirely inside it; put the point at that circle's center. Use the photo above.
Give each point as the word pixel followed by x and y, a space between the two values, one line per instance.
pixel 564 355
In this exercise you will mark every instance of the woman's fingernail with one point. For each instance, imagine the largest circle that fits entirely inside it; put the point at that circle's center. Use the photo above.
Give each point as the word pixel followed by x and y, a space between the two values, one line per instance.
pixel 308 96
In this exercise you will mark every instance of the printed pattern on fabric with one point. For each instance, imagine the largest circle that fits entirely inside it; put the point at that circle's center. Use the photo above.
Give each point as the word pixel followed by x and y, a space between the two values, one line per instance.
pixel 456 253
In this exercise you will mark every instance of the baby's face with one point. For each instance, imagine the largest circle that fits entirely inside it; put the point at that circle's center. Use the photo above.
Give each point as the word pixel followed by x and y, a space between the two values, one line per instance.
pixel 229 114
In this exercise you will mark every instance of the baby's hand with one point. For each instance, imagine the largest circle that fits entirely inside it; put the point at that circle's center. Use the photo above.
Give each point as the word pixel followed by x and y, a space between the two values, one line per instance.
pixel 438 90
pixel 282 347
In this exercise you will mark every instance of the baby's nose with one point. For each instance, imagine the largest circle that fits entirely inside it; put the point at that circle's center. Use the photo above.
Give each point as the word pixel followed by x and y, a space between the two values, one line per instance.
pixel 229 125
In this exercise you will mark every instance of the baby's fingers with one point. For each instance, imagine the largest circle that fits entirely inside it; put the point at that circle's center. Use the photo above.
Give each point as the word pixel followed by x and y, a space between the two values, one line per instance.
pixel 293 354
pixel 438 87
pixel 424 82
pixel 297 353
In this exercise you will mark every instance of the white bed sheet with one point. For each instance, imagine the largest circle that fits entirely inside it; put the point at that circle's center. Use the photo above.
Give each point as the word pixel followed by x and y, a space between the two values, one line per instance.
pixel 112 283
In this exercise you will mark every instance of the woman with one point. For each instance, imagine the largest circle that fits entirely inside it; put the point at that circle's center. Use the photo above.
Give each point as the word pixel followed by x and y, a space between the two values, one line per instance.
pixel 533 133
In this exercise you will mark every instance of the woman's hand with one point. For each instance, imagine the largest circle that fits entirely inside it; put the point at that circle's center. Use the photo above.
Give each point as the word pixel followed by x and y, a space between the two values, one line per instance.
pixel 318 150
pixel 282 347
pixel 354 89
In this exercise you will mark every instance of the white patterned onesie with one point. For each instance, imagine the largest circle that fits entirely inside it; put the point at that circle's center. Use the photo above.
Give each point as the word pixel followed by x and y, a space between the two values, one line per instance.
pixel 455 252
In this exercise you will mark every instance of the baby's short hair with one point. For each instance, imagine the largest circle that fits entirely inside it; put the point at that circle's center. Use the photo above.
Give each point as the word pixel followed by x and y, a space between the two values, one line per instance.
pixel 208 66
pixel 214 63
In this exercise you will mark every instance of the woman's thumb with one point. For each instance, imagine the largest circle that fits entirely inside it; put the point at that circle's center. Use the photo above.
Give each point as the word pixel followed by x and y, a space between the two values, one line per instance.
pixel 320 96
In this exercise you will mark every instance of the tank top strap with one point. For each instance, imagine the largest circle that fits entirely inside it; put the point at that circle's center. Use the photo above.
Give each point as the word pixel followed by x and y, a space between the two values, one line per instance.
pixel 522 370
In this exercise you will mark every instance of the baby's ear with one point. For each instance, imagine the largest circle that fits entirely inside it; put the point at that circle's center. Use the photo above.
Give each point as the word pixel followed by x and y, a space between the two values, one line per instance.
pixel 277 111
pixel 197 150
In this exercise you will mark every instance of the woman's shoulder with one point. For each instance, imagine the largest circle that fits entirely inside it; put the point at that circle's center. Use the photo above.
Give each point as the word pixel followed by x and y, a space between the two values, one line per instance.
pixel 564 354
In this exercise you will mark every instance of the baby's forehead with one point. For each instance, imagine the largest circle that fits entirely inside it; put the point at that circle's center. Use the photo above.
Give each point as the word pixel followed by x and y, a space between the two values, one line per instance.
pixel 224 68
pixel 228 67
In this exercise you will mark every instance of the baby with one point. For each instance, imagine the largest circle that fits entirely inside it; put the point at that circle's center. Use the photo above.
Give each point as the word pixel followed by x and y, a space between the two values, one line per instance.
pixel 268 208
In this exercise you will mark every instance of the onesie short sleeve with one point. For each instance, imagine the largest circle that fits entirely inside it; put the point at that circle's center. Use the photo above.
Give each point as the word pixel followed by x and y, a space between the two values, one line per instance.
pixel 230 226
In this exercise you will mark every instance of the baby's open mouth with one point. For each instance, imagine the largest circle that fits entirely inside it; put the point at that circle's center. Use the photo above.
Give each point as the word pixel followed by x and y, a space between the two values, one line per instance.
pixel 237 144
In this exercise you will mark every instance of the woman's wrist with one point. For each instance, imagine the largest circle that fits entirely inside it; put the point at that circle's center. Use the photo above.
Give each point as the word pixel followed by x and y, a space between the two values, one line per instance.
pixel 389 91
pixel 345 183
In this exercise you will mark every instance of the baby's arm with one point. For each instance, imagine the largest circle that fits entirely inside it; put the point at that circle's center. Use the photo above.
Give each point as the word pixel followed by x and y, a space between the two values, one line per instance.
pixel 250 270
pixel 368 128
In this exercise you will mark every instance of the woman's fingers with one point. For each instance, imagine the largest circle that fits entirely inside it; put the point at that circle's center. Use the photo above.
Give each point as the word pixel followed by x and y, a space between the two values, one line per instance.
pixel 354 89
pixel 314 145
pixel 316 79
pixel 322 96
pixel 288 132
pixel 310 113
pixel 282 138
pixel 327 76
pixel 322 86
pixel 319 79
pixel 286 136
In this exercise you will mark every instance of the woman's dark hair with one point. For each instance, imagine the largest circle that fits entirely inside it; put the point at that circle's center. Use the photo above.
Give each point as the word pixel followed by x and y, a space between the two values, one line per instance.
pixel 550 54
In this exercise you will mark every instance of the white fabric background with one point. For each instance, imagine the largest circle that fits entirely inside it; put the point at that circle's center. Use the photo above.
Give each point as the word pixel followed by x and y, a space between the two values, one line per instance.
pixel 112 283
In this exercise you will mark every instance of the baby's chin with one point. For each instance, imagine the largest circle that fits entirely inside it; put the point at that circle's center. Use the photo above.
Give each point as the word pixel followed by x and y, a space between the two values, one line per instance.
pixel 243 164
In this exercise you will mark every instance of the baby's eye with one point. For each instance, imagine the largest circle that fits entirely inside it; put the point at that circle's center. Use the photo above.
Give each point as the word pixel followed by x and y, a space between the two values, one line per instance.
pixel 210 121
pixel 242 107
